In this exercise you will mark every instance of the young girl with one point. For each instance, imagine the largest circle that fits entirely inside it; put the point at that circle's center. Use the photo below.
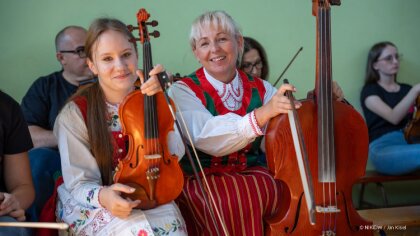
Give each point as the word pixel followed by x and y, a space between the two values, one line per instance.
pixel 89 201
pixel 386 105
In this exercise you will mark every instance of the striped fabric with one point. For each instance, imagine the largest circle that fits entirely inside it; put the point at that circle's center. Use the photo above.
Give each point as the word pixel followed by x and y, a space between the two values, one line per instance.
pixel 244 199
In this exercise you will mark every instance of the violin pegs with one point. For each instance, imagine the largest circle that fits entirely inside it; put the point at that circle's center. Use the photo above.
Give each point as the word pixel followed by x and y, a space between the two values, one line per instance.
pixel 153 23
pixel 155 34
pixel 131 28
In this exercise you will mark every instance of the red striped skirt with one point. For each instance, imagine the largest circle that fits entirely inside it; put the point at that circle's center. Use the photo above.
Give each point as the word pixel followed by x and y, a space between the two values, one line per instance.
pixel 243 199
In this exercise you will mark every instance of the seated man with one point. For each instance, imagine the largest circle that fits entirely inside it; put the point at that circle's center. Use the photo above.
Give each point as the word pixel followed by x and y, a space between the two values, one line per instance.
pixel 16 188
pixel 41 105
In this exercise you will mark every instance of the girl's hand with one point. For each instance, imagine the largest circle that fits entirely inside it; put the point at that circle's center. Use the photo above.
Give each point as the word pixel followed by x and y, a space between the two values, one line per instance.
pixel 110 198
pixel 11 206
pixel 152 85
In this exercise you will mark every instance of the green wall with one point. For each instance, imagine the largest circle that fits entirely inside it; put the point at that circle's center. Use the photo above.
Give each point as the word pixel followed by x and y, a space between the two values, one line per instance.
pixel 29 27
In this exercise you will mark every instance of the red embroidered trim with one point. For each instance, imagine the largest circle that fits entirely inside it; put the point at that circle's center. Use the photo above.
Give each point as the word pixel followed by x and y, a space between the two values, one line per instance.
pixel 252 123
pixel 254 120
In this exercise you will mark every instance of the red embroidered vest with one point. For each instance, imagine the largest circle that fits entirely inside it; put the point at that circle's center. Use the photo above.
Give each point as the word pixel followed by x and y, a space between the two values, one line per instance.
pixel 253 98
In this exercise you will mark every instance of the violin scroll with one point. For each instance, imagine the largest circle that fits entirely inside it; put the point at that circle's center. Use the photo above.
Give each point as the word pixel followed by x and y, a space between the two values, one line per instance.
pixel 144 35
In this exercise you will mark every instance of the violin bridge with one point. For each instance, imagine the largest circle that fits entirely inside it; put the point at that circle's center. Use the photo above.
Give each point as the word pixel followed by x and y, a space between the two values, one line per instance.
pixel 153 156
pixel 328 209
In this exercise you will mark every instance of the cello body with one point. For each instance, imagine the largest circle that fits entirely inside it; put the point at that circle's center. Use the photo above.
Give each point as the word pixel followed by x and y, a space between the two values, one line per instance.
pixel 351 142
pixel 335 137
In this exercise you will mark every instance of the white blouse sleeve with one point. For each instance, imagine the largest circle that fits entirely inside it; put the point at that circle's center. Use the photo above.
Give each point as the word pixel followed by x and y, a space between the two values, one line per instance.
pixel 81 173
pixel 215 135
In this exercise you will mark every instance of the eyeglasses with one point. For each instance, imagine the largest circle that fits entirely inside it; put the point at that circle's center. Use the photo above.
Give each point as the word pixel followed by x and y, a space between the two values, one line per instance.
pixel 250 66
pixel 79 51
pixel 390 58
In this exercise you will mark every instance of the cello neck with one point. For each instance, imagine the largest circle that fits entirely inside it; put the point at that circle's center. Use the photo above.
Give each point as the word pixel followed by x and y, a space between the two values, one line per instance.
pixel 324 94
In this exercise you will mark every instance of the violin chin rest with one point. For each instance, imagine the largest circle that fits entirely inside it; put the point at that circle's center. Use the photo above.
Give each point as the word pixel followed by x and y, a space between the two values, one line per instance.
pixel 146 204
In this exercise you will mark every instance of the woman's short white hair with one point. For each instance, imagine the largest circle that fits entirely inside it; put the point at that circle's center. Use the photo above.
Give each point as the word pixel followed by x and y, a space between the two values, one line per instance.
pixel 218 19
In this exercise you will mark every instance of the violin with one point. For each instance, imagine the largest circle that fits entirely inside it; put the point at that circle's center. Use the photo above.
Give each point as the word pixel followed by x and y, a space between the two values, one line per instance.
pixel 336 144
pixel 412 129
pixel 146 120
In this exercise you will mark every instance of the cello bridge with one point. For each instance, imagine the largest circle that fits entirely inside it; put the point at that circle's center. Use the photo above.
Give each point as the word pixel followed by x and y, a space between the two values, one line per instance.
pixel 328 209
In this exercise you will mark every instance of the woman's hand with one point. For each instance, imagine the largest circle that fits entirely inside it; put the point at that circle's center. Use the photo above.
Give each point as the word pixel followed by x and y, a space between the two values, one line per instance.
pixel 11 206
pixel 278 104
pixel 110 198
pixel 337 92
pixel 152 85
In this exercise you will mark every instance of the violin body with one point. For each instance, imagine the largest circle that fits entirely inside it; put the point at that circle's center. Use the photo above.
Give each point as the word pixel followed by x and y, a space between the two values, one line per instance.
pixel 412 130
pixel 351 142
pixel 132 169
pixel 148 167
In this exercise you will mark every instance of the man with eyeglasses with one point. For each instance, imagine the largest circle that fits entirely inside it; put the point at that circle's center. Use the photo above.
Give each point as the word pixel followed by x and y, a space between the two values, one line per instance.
pixel 41 104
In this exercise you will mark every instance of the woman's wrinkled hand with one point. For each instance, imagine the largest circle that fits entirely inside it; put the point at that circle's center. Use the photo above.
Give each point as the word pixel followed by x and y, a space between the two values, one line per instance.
pixel 337 92
pixel 278 104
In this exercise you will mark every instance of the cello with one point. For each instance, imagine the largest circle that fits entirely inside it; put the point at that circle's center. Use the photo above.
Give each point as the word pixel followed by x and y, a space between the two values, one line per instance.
pixel 412 130
pixel 336 138
pixel 146 120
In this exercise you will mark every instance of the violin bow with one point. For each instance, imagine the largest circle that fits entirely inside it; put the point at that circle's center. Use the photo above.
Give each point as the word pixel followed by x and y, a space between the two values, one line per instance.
pixel 47 225
pixel 287 67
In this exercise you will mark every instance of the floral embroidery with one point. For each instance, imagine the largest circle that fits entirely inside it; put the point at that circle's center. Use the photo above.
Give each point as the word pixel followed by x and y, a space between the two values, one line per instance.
pixel 79 222
pixel 90 195
pixel 113 120
pixel 168 228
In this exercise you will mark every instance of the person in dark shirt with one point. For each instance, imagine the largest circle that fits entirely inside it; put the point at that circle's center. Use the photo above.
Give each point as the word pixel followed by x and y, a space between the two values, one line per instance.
pixel 42 103
pixel 16 188
pixel 386 104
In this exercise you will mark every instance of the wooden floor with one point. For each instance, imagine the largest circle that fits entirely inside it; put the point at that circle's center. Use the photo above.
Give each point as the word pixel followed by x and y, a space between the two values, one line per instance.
pixel 394 221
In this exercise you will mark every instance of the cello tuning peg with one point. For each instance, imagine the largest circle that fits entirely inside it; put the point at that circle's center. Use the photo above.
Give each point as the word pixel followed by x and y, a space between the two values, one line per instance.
pixel 153 23
pixel 155 34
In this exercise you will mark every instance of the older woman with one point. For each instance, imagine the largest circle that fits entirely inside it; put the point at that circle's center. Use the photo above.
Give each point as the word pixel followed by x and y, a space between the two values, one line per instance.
pixel 226 111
